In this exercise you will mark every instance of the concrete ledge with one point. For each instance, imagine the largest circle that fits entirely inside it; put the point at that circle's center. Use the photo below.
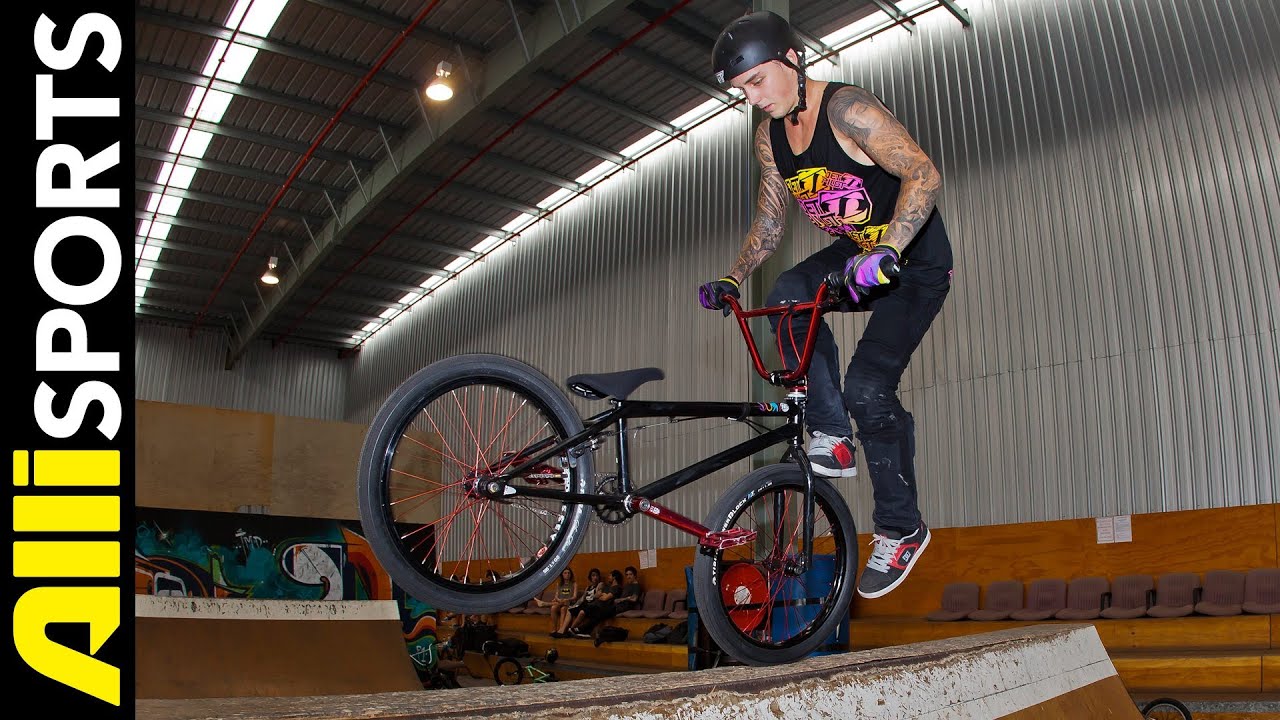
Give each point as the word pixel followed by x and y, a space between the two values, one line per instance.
pixel 998 674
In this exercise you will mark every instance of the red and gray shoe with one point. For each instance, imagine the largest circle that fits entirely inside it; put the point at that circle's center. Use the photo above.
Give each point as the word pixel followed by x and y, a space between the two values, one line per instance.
pixel 833 456
pixel 893 557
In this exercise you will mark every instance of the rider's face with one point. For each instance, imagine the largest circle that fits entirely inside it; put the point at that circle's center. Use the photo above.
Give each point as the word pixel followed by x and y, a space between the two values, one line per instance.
pixel 772 87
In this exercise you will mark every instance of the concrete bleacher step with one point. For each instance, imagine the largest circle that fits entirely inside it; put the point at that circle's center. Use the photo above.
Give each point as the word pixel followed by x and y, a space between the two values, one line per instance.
pixel 1187 654
pixel 1203 632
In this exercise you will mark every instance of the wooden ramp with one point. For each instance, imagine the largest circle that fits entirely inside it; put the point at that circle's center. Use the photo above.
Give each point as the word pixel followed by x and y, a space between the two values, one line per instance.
pixel 212 648
pixel 1042 672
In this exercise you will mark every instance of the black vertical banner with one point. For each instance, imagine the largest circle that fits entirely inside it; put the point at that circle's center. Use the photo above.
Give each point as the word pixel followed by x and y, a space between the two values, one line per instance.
pixel 69 398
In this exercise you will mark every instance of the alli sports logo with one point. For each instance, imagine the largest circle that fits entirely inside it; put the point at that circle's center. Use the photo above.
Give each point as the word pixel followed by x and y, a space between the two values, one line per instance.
pixel 69 402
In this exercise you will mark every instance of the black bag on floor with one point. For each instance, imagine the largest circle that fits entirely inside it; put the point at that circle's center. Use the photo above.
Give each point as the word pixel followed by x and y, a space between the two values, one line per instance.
pixel 679 634
pixel 508 647
pixel 610 633
pixel 657 633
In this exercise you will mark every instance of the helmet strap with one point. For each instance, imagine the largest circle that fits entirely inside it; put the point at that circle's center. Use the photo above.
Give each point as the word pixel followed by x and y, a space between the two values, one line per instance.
pixel 803 104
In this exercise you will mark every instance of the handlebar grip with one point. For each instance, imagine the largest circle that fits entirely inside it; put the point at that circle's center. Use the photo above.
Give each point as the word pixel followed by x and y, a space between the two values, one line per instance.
pixel 889 266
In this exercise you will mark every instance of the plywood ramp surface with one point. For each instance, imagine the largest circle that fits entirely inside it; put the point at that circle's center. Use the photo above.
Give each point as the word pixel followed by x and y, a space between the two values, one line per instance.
pixel 205 649
pixel 1058 672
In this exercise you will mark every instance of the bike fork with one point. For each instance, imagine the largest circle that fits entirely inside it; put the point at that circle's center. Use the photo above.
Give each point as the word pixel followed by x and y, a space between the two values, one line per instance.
pixel 797 396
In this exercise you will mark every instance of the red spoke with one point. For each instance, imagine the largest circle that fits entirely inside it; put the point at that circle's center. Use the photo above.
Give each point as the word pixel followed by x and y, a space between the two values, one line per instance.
pixel 439 451
pixel 467 426
pixel 441 485
pixel 503 519
pixel 444 440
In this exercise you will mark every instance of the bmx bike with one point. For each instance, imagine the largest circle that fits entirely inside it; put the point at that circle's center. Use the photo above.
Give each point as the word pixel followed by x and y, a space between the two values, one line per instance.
pixel 476 487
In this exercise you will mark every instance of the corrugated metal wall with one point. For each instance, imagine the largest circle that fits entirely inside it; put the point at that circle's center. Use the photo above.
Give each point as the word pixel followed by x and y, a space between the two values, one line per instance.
pixel 1110 344
pixel 292 379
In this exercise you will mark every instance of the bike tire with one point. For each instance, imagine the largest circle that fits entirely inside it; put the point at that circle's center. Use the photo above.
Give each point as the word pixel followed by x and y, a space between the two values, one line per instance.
pixel 508 672
pixel 410 438
pixel 760 621
pixel 1163 709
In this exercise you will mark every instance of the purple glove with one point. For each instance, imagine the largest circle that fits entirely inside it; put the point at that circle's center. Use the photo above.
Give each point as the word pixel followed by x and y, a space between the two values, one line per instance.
pixel 870 269
pixel 709 293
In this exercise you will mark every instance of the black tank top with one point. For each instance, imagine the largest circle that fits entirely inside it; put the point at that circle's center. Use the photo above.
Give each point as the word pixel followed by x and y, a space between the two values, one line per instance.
pixel 850 200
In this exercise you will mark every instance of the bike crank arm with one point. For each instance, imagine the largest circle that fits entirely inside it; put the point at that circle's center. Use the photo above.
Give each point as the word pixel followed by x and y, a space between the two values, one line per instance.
pixel 707 538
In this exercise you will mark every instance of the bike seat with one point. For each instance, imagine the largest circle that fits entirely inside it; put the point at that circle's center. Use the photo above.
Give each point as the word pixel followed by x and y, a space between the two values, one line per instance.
pixel 617 385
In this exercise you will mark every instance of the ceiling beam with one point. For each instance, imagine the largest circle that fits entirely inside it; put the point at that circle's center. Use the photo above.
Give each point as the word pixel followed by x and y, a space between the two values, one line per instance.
pixel 223 201
pixel 484 196
pixel 276 47
pixel 560 136
pixel 233 169
pixel 676 72
pixel 270 141
pixel 266 95
pixel 519 168
pixel 610 104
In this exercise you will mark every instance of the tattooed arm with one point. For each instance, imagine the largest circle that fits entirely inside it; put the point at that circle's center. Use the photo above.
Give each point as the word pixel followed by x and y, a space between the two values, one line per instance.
pixel 771 212
pixel 860 116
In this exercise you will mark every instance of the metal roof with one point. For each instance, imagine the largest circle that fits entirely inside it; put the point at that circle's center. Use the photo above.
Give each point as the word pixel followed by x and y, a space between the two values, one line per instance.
pixel 329 158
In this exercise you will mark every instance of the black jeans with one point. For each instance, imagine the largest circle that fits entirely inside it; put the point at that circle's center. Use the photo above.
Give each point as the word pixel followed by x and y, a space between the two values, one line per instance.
pixel 901 314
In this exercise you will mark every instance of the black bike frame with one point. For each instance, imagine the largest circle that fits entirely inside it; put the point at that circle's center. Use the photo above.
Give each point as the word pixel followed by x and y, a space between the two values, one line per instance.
pixel 641 499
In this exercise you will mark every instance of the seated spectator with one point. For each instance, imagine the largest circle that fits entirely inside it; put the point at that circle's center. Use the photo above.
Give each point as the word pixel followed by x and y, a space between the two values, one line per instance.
pixel 575 608
pixel 597 609
pixel 566 594
pixel 625 597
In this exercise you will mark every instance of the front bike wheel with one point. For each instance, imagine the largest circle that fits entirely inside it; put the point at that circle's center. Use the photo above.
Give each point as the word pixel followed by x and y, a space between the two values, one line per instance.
pixel 441 433
pixel 752 598
pixel 508 672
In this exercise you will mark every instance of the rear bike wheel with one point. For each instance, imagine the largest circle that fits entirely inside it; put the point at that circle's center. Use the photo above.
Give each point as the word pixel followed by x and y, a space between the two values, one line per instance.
pixel 753 601
pixel 508 672
pixel 441 433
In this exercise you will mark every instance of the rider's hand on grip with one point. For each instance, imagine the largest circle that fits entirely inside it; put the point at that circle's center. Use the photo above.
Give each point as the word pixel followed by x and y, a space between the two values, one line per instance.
pixel 710 294
pixel 870 269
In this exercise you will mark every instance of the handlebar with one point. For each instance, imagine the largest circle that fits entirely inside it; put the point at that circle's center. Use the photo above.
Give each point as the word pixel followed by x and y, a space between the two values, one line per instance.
pixel 831 293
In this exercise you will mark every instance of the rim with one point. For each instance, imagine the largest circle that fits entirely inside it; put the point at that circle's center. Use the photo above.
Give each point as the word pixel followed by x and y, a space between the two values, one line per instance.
pixel 466 431
pixel 767 601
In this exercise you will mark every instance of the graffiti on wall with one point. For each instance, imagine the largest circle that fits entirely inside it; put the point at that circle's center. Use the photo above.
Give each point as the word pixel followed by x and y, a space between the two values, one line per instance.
pixel 188 553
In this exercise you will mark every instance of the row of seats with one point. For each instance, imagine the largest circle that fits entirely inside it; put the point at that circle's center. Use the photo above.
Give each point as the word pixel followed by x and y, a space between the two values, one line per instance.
pixel 653 604
pixel 1223 592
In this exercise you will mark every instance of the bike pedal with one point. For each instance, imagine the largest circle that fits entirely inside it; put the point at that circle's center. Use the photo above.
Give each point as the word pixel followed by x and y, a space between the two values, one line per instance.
pixel 727 538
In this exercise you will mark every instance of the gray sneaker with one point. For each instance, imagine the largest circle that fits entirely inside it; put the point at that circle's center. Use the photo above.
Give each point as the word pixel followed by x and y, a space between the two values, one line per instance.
pixel 833 456
pixel 893 557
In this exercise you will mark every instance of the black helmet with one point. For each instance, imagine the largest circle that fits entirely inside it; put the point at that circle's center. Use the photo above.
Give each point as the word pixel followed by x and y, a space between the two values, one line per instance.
pixel 755 39
pixel 751 40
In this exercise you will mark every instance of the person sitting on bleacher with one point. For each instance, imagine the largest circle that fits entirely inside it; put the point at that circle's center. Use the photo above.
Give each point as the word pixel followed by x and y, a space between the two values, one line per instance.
pixel 625 597
pixel 566 594
pixel 575 608
pixel 598 609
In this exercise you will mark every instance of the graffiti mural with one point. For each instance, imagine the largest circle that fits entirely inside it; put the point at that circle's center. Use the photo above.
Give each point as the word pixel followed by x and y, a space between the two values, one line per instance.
pixel 188 553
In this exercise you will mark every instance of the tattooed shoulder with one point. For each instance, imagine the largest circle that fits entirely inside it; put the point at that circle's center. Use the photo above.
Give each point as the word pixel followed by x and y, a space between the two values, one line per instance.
pixel 855 112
